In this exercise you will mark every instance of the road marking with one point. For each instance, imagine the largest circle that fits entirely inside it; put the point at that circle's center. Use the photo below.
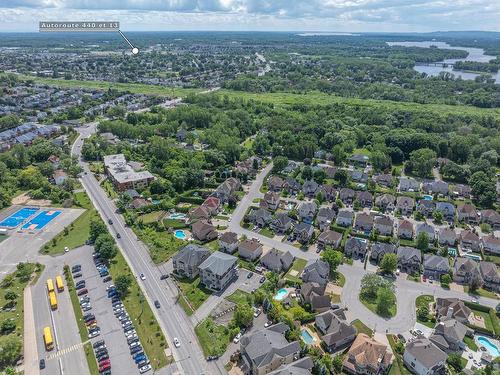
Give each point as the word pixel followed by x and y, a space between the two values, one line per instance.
pixel 65 351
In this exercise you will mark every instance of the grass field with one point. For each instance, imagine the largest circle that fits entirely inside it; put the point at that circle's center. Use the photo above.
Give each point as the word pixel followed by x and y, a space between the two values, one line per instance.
pixel 422 301
pixel 296 269
pixel 398 367
pixel 151 217
pixel 140 312
pixel 91 360
pixel 213 338
pixel 240 297
pixel 162 245
pixel 469 341
pixel 78 231
pixel 193 292
pixel 372 306
pixel 136 88
pixel 481 292
pixel 362 328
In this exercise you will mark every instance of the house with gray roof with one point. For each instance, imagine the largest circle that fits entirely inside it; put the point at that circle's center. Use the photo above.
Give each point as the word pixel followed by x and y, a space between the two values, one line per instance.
pixel 422 357
pixel 447 209
pixel 345 218
pixel 317 271
pixel 409 259
pixel 491 217
pixel 428 229
pixel 449 335
pixel 270 201
pixel 365 198
pixel 383 225
pixel 328 192
pixel 277 261
pixel 275 183
pixel 379 249
pixel 435 187
pixel 228 242
pixel 491 244
pixel 314 294
pixel 302 366
pixel 250 249
pixel 435 266
pixel 292 186
pixel 309 188
pixel 468 213
pixel 218 271
pixel 325 217
pixel 453 308
pixel 364 222
pixel 464 270
pixel 386 202
pixel 405 205
pixel 405 229
pixel 356 247
pixel 335 332
pixel 408 184
pixel 307 212
pixel 359 160
pixel 383 179
pixel 281 223
pixel 260 217
pixel 266 350
pixel 426 207
pixel 303 232
pixel 347 195
pixel 489 273
pixel 187 260
pixel 447 236
pixel 470 240
pixel 329 238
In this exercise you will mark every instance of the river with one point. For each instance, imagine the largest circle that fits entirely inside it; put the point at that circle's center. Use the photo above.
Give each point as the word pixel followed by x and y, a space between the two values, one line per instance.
pixel 475 54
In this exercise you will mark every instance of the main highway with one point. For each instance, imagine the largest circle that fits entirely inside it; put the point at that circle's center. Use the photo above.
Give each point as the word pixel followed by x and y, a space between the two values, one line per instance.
pixel 188 358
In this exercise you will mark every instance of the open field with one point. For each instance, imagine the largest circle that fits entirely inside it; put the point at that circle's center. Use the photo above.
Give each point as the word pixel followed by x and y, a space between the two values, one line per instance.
pixel 193 292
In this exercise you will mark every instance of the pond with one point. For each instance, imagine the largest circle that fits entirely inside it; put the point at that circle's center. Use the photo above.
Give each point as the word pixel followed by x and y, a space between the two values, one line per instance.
pixel 475 54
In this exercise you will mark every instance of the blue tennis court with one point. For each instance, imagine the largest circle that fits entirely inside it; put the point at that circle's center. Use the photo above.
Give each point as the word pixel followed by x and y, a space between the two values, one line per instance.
pixel 18 217
pixel 41 220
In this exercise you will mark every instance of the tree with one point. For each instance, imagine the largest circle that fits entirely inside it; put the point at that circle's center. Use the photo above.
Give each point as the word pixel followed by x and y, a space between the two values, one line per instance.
pixel 371 283
pixel 97 227
pixel 243 316
pixel 122 284
pixel 438 217
pixel 475 282
pixel 307 173
pixel 11 296
pixel 445 280
pixel 423 313
pixel 319 176
pixel 380 161
pixel 386 299
pixel 105 246
pixel 455 361
pixel 10 350
pixel 279 163
pixel 337 364
pixel 338 155
pixel 7 326
pixel 423 241
pixel 341 176
pixel 333 258
pixel 422 161
pixel 389 263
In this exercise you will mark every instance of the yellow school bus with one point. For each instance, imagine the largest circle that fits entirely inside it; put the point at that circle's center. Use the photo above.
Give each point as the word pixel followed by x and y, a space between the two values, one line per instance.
pixel 50 285
pixel 53 300
pixel 59 284
pixel 47 338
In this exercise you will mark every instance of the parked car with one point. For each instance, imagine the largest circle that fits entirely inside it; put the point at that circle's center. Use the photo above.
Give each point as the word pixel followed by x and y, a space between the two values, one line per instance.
pixel 107 279
pixel 81 292
pixel 77 275
pixel 237 338
pixel 144 369
pixel 118 235
pixel 250 274
pixel 262 279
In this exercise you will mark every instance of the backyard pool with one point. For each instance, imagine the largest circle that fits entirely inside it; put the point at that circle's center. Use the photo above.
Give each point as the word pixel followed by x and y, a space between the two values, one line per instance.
pixel 307 337
pixel 490 347
pixel 177 215
pixel 427 197
pixel 473 256
pixel 180 234
pixel 281 294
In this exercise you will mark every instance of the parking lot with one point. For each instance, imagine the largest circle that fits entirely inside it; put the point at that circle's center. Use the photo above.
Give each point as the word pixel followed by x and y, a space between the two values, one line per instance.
pixel 111 329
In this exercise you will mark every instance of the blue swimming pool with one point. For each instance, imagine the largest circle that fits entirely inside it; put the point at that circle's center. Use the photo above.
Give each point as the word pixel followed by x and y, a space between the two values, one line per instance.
pixel 427 197
pixel 177 215
pixel 18 217
pixel 41 220
pixel 281 294
pixel 490 347
pixel 473 257
pixel 306 337
pixel 180 234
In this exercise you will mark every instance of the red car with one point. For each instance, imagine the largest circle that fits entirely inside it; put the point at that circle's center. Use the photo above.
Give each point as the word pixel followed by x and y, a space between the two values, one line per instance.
pixel 104 368
pixel 105 362
pixel 81 292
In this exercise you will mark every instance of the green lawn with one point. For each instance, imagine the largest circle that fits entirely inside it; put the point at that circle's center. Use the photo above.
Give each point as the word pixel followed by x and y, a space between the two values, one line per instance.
pixel 193 292
pixel 91 360
pixel 77 232
pixel 162 245
pixel 362 328
pixel 109 189
pixel 267 232
pixel 422 301
pixel 481 292
pixel 470 343
pixel 213 338
pixel 297 267
pixel 140 312
pixel 398 367
pixel 339 279
pixel 240 297
pixel 151 217
pixel 372 306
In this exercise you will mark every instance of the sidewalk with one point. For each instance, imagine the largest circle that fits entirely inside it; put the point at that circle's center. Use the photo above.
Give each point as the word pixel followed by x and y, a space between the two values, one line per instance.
pixel 30 348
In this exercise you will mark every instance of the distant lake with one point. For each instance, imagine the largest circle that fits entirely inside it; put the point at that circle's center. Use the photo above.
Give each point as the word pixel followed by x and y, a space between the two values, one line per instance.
pixel 474 54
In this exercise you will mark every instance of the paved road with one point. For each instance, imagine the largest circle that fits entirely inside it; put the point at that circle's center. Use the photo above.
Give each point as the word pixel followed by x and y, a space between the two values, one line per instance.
pixel 188 357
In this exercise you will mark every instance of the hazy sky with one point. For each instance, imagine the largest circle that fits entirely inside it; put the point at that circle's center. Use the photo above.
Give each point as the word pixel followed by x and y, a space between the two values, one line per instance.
pixel 260 15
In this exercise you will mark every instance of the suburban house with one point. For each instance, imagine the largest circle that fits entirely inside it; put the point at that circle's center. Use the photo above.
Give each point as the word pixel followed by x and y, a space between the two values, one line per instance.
pixel 386 202
pixel 204 232
pixel 59 177
pixel 335 333
pixel 359 160
pixel 325 217
pixel 492 218
pixel 364 222
pixel 227 189
pixel 329 192
pixel 405 205
pixel 317 271
pixel 314 295
pixel 435 187
pixel 270 201
pixel 426 207
pixel 356 247
pixel 309 188
pixel 460 190
pixel 379 249
pixel 218 271
pixel 447 236
pixel 228 242
pixel 489 273
pixel 212 204
pixel 447 209
pixel 453 308
pixel 292 186
pixel 435 266
pixel 345 218
pixel 307 212
pixel 383 179
pixel 303 232
pixel 275 183
pixel 187 260
pixel 465 270
pixel 422 357
pixel 281 223
pixel 383 225
pixel 467 213
pixel 123 176
pixel 267 349
pixel 409 259
pixel 408 184
pixel 347 195
pixel 426 228
pixel 250 249
pixel 470 240
pixel 301 366
pixel 365 198
pixel 449 335
pixel 199 213
pixel 358 176
pixel 367 356
pixel 491 244
pixel 260 217
pixel 277 261
pixel 329 238
pixel 405 229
